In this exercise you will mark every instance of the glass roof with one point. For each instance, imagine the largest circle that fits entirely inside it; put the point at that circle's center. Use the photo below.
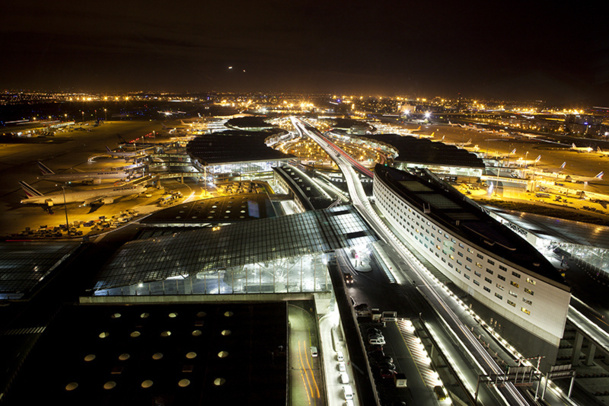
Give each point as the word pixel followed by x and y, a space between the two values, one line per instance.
pixel 24 264
pixel 238 244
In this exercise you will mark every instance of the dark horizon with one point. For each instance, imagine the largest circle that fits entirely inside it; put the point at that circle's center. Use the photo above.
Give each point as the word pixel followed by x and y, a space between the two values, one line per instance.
pixel 549 51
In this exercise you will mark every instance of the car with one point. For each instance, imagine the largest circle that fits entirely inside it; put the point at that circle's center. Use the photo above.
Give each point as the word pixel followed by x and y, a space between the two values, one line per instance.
pixel 375 335
pixel 386 373
pixel 388 365
pixel 375 347
pixel 343 378
pixel 339 356
pixel 377 340
pixel 373 330
pixel 313 351
pixel 342 367
pixel 348 392
pixel 348 279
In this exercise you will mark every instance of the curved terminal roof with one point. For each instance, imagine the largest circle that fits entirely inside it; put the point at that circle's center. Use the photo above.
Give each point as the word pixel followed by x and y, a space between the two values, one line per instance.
pixel 425 151
pixel 233 146
pixel 239 244
pixel 461 216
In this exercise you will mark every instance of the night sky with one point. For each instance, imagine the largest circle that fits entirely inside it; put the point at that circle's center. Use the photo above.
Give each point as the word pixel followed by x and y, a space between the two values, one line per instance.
pixel 551 50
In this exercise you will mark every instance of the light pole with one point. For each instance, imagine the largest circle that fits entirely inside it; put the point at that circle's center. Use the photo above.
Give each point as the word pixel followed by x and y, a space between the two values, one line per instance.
pixel 65 206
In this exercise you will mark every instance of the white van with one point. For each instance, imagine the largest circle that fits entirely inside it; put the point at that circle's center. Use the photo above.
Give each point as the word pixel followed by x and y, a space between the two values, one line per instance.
pixel 342 367
pixel 348 392
pixel 377 340
pixel 344 377
pixel 339 356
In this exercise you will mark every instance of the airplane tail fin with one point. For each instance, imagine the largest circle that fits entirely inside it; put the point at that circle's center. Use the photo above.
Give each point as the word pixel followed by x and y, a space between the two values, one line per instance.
pixel 109 150
pixel 600 175
pixel 599 149
pixel 45 170
pixel 29 191
pixel 432 134
pixel 573 146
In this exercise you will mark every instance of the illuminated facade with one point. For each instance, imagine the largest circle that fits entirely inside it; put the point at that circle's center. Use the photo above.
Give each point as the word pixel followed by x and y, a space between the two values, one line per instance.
pixel 479 255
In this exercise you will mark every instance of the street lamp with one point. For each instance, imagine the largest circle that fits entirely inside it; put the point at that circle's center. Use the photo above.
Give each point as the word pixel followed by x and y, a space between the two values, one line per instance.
pixel 65 206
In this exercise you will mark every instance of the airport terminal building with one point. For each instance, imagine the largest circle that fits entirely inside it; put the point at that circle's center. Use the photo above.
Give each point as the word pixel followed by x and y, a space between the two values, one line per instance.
pixel 479 255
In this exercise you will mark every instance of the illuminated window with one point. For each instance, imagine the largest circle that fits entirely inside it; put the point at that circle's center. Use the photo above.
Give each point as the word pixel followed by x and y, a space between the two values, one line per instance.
pixel 531 281
pixel 527 301
pixel 529 291
pixel 524 309
pixel 514 284
pixel 500 287
pixel 511 303
pixel 512 293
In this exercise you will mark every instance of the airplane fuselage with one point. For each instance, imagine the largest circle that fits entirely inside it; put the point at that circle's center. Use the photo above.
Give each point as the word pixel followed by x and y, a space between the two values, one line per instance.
pixel 84 196
pixel 85 176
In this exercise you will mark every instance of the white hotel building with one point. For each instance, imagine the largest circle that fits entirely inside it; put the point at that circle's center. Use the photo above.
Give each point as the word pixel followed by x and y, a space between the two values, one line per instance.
pixel 479 255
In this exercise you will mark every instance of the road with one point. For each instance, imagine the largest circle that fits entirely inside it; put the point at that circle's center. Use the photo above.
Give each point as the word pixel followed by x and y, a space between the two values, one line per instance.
pixel 429 287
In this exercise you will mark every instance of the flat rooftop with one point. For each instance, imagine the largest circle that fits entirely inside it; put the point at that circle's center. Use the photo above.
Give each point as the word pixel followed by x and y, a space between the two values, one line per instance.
pixel 177 354
pixel 463 217
pixel 223 209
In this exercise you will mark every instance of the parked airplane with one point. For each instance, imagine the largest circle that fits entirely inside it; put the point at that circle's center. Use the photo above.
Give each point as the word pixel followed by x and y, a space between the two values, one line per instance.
pixel 600 151
pixel 82 177
pixel 104 196
pixel 129 154
pixel 581 149
pixel 424 135
pixel 459 144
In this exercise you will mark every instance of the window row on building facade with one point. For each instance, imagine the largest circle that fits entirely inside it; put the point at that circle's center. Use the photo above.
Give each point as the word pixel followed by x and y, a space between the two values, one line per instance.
pixel 424 233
